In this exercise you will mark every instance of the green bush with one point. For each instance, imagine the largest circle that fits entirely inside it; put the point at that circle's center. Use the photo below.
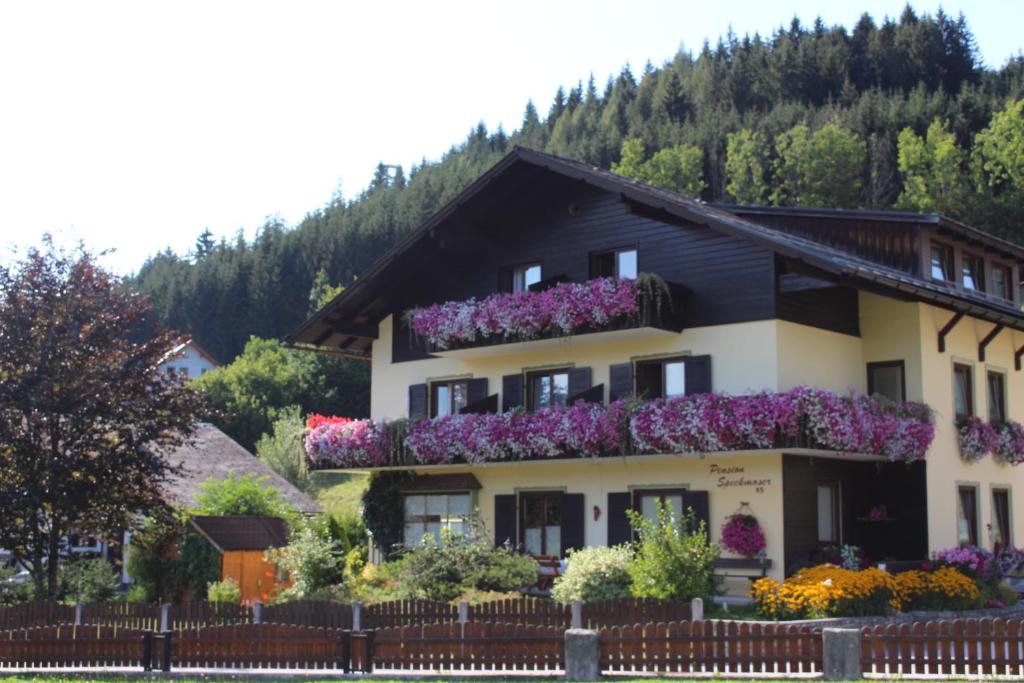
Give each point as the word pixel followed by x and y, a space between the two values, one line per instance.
pixel 382 511
pixel 595 573
pixel 200 562
pixel 445 570
pixel 673 559
pixel 314 563
pixel 226 590
pixel 13 592
pixel 248 494
pixel 86 581
pixel 154 562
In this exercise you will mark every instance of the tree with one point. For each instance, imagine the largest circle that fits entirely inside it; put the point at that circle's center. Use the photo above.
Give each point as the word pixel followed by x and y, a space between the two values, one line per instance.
pixel 747 164
pixel 84 409
pixel 932 169
pixel 241 495
pixel 283 450
pixel 675 168
pixel 825 168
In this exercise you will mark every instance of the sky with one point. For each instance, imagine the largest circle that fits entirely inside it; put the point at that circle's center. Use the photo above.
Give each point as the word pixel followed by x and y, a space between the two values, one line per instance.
pixel 132 126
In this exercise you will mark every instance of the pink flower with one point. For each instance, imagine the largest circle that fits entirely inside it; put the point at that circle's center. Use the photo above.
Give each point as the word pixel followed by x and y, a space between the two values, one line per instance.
pixel 742 535
pixel 977 438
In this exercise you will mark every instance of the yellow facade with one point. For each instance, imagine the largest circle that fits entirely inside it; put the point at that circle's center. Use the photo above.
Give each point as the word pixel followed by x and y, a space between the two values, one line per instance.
pixel 768 354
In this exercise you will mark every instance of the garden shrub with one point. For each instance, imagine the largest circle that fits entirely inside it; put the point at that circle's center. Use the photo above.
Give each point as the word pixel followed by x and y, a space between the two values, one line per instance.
pixel 87 581
pixel 200 562
pixel 382 511
pixel 13 592
pixel 313 562
pixel 226 590
pixel 595 573
pixel 673 559
pixel 154 561
pixel 945 588
pixel 826 591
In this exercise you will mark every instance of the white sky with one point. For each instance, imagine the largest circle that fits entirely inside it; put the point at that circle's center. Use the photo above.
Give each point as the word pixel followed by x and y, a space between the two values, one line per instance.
pixel 135 125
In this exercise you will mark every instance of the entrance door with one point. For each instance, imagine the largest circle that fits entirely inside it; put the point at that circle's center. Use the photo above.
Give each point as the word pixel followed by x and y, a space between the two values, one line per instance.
pixel 541 523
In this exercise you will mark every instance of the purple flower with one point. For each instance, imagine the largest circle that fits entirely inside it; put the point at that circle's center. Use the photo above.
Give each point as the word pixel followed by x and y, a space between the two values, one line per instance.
pixel 356 443
pixel 977 438
pixel 742 535
pixel 1009 448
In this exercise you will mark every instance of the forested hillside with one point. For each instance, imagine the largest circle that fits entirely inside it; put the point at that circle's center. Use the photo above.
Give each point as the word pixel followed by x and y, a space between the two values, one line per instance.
pixel 893 113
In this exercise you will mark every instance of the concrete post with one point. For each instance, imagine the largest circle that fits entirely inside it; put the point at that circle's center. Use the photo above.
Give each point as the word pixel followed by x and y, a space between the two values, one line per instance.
pixel 697 609
pixel 165 617
pixel 840 654
pixel 357 615
pixel 577 615
pixel 78 614
pixel 463 612
pixel 257 612
pixel 582 657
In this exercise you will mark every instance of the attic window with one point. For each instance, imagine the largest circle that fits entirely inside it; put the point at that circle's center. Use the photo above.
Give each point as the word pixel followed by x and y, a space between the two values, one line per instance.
pixel 1001 280
pixel 942 262
pixel 973 272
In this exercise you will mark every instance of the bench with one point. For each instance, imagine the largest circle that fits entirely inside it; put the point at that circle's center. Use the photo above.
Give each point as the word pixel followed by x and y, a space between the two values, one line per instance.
pixel 756 568
pixel 550 569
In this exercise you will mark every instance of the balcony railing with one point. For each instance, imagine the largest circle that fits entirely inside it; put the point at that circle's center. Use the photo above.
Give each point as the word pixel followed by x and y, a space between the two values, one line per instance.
pixel 560 310
pixel 705 423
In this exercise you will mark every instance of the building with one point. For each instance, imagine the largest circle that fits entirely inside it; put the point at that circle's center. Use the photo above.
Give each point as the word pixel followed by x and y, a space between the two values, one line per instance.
pixel 189 359
pixel 908 306
pixel 242 543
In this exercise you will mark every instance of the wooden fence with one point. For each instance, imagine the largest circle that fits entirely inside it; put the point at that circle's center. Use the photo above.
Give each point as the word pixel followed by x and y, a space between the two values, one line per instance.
pixel 522 611
pixel 320 613
pixel 260 646
pixel 407 613
pixel 711 647
pixel 971 647
pixel 135 615
pixel 469 647
pixel 71 646
pixel 192 615
pixel 630 611
pixel 32 614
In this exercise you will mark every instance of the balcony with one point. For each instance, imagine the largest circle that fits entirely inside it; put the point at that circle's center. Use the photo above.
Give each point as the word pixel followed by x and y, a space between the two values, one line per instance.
pixel 805 419
pixel 597 311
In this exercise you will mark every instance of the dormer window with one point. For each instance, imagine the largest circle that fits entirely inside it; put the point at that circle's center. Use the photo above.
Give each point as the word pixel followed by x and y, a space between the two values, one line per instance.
pixel 524 276
pixel 973 272
pixel 942 262
pixel 620 263
pixel 1001 280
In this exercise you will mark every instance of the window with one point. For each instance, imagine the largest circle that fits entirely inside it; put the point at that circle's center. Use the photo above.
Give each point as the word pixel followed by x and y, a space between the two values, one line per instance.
pixel 942 262
pixel 973 272
pixel 1001 516
pixel 448 398
pixel 886 378
pixel 548 388
pixel 524 276
pixel 614 263
pixel 427 513
pixel 996 397
pixel 646 502
pixel 1002 281
pixel 963 393
pixel 661 378
pixel 541 523
pixel 967 515
pixel 828 515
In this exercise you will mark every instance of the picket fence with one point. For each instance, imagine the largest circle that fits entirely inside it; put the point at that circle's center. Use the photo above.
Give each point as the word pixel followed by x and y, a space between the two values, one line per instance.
pixel 969 647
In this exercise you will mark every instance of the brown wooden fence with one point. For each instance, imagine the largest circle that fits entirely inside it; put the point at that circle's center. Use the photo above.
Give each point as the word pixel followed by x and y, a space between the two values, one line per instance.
pixel 191 615
pixel 407 613
pixel 469 647
pixel 711 647
pixel 630 611
pixel 524 610
pixel 30 614
pixel 320 613
pixel 135 615
pixel 259 646
pixel 67 646
pixel 969 647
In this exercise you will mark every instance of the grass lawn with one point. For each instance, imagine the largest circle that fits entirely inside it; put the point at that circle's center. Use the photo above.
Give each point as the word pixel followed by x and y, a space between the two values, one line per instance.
pixel 122 679
pixel 339 493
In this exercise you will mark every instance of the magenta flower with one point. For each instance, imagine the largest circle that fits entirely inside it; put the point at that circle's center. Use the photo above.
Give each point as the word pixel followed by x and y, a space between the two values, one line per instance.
pixel 742 534
pixel 1009 448
pixel 977 438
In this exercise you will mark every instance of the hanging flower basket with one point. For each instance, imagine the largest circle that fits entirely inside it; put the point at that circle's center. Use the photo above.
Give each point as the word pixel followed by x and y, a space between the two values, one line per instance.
pixel 977 438
pixel 742 535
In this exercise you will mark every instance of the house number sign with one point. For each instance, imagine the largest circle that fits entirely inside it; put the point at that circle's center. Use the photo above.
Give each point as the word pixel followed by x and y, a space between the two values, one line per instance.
pixel 732 476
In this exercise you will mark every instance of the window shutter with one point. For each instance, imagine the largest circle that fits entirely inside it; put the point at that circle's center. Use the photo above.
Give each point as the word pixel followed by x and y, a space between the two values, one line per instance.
pixel 594 394
pixel 619 530
pixel 483 406
pixel 572 522
pixel 477 390
pixel 418 402
pixel 511 392
pixel 620 381
pixel 505 520
pixel 700 503
pixel 698 375
pixel 579 380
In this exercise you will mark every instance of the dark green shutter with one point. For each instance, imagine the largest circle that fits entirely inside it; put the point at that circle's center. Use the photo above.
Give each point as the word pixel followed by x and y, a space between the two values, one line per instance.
pixel 477 390
pixel 620 381
pixel 505 520
pixel 579 380
pixel 619 530
pixel 511 392
pixel 698 375
pixel 572 522
pixel 417 402
pixel 700 503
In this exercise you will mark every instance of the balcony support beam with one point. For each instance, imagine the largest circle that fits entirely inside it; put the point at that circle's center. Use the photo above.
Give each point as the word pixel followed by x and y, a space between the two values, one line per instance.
pixel 947 328
pixel 1016 357
pixel 988 340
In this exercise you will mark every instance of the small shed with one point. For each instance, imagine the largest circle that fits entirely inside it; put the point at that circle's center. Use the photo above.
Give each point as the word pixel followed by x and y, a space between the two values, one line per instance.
pixel 242 542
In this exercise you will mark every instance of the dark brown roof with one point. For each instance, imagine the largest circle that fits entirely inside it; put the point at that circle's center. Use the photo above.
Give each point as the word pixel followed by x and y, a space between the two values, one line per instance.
pixel 212 454
pixel 348 324
pixel 441 482
pixel 242 533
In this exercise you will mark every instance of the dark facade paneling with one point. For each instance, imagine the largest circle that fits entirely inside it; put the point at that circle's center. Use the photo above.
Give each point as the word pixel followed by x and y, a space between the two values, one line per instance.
pixel 830 308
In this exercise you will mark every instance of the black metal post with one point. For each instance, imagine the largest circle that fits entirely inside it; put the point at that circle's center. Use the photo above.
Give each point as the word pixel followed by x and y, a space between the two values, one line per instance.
pixel 167 652
pixel 346 651
pixel 147 651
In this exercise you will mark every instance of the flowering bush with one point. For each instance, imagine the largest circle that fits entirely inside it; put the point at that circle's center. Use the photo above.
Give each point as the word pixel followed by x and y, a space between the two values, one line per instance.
pixel 946 588
pixel 971 560
pixel 595 573
pixel 826 591
pixel 878 513
pixel 344 442
pixel 845 556
pixel 563 309
pixel 316 419
pixel 977 438
pixel 742 535
pixel 1006 560
pixel 1009 447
